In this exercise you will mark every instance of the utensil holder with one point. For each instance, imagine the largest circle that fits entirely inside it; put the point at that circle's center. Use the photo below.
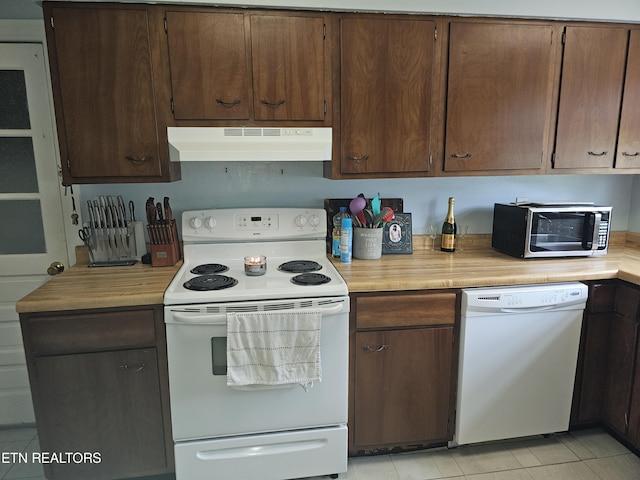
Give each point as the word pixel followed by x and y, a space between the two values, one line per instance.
pixel 165 249
pixel 367 243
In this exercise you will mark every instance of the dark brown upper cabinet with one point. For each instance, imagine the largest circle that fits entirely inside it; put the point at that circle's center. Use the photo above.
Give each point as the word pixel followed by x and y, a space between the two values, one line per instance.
pixel 499 97
pixel 103 61
pixel 209 66
pixel 628 151
pixel 593 70
pixel 247 66
pixel 388 66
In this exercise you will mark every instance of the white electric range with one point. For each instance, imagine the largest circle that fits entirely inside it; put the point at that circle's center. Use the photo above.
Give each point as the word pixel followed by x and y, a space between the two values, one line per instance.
pixel 264 434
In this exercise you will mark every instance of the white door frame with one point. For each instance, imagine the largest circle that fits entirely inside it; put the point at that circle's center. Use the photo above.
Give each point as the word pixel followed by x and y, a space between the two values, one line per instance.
pixel 23 273
pixel 32 31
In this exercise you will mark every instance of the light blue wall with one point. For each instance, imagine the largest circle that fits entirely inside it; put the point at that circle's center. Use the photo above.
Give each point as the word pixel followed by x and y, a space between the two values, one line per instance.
pixel 219 185
pixel 634 207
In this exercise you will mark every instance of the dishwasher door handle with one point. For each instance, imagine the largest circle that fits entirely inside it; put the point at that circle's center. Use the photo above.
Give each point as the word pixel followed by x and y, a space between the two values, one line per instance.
pixel 544 308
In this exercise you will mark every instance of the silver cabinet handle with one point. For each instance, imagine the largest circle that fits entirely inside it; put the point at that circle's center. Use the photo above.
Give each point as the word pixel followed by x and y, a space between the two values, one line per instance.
pixel 382 347
pixel 457 155
pixel 594 154
pixel 358 159
pixel 627 154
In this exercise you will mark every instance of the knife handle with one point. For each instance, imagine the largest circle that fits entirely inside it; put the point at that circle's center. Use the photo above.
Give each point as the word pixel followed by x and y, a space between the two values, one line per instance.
pixel 159 213
pixel 168 213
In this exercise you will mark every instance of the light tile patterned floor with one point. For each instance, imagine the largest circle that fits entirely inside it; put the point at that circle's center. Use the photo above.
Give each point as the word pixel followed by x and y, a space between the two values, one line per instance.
pixel 582 455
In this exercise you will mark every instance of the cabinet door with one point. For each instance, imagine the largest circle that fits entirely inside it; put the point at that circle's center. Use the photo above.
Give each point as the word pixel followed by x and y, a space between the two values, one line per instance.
pixel 590 93
pixel 628 153
pixel 633 433
pixel 101 64
pixel 402 386
pixel 209 65
pixel 620 367
pixel 499 95
pixel 386 95
pixel 105 402
pixel 593 367
pixel 287 54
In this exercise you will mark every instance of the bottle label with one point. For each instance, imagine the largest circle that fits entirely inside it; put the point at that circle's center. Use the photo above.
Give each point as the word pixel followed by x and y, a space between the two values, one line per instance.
pixel 448 241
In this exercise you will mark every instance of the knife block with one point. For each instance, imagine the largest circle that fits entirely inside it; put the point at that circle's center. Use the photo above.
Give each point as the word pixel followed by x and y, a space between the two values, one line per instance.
pixel 165 248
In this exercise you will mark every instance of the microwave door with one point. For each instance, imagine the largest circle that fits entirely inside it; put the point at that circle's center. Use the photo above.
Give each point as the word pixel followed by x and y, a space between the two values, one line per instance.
pixel 560 232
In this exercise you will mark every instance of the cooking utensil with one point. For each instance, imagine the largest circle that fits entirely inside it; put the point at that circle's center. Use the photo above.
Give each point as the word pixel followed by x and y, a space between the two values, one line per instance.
pixel 385 216
pixel 375 205
pixel 355 207
pixel 368 215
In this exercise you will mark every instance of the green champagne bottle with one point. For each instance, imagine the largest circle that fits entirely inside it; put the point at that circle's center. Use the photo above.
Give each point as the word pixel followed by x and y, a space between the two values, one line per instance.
pixel 449 230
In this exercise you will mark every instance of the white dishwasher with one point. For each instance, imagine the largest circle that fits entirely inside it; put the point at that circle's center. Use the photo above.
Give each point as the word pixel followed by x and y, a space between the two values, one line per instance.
pixel 518 355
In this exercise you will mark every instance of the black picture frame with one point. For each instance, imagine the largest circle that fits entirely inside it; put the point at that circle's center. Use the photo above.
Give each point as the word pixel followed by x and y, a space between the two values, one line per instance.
pixel 397 236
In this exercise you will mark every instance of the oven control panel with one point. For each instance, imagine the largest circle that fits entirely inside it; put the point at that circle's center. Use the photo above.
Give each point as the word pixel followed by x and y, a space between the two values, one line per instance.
pixel 251 223
pixel 256 222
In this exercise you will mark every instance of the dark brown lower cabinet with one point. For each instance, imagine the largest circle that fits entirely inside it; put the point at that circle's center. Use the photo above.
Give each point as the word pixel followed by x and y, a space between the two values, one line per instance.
pixel 622 389
pixel 403 370
pixel 591 372
pixel 100 391
pixel 407 385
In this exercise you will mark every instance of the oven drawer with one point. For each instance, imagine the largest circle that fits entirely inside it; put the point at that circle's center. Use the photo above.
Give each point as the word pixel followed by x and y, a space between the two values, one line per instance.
pixel 274 456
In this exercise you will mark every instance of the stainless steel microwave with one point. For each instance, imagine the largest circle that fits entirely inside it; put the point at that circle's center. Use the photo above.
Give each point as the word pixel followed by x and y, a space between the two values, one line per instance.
pixel 551 230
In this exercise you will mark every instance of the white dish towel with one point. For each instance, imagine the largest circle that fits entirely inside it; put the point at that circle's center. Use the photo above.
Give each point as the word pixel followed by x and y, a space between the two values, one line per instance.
pixel 273 349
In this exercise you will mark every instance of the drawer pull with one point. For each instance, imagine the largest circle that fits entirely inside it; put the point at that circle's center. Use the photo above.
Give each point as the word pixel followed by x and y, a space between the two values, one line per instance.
pixel 627 154
pixel 369 348
pixel 594 154
pixel 138 161
pixel 228 104
pixel 134 368
pixel 456 155
pixel 272 104
pixel 358 159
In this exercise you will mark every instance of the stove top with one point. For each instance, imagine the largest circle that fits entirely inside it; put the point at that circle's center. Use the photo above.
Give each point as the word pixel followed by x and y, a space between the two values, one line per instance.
pixel 217 242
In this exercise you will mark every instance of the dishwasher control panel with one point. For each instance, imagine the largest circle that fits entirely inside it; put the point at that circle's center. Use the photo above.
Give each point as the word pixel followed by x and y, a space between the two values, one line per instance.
pixel 524 297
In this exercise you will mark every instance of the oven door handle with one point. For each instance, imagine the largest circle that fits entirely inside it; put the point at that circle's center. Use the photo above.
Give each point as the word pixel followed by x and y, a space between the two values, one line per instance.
pixel 199 319
pixel 221 318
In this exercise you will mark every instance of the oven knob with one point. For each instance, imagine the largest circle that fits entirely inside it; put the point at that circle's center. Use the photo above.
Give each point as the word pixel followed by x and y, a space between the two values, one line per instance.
pixel 314 220
pixel 196 223
pixel 301 221
pixel 210 222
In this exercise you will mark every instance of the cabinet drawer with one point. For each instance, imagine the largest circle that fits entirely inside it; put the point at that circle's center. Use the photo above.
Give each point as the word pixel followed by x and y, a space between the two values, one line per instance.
pixel 86 332
pixel 627 300
pixel 405 310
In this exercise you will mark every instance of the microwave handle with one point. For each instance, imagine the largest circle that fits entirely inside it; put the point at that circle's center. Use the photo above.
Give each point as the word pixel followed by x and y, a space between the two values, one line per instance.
pixel 595 233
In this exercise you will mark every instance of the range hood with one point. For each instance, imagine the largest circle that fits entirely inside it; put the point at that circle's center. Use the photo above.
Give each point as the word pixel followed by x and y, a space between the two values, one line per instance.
pixel 238 144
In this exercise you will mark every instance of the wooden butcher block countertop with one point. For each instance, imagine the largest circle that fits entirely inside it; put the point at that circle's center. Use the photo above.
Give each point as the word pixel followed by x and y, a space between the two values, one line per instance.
pixel 481 266
pixel 80 287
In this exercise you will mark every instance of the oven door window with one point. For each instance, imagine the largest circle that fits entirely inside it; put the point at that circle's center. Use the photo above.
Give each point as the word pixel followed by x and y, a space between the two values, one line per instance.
pixel 219 355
